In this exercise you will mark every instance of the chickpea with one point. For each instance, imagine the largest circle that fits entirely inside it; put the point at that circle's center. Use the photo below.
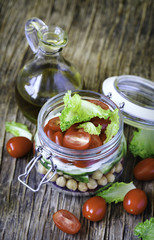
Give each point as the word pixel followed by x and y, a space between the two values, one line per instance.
pixel 71 184
pixel 112 170
pixel 82 187
pixel 118 167
pixel 60 173
pixel 97 175
pixel 110 177
pixel 54 178
pixel 61 181
pixel 41 169
pixel 102 181
pixel 92 184
pixel 67 176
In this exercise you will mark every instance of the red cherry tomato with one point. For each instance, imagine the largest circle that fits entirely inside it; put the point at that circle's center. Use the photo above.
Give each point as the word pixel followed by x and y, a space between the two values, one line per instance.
pixel 66 221
pixel 83 164
pixel 49 132
pixel 144 170
pixel 95 142
pixel 76 139
pixel 58 138
pixel 135 201
pixel 100 103
pixel 54 124
pixel 18 146
pixel 94 208
pixel 102 136
pixel 96 121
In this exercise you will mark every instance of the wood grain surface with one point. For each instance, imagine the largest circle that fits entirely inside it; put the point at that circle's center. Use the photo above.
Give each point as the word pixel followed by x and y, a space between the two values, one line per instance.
pixel 106 38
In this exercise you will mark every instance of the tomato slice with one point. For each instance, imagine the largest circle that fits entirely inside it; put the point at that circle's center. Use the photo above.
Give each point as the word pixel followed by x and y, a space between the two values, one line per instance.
pixel 66 221
pixel 58 138
pixel 49 132
pixel 95 142
pixel 102 136
pixel 76 139
pixel 100 103
pixel 54 124
pixel 96 121
pixel 83 164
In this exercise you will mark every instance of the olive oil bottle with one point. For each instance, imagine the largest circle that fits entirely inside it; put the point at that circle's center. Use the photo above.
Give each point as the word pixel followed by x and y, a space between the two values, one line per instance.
pixel 48 73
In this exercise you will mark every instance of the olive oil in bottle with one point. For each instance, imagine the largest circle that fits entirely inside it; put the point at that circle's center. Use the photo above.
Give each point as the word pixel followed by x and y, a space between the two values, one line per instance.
pixel 48 73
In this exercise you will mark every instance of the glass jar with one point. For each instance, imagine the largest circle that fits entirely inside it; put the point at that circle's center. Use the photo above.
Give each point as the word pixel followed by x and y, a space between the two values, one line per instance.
pixel 79 172
pixel 48 73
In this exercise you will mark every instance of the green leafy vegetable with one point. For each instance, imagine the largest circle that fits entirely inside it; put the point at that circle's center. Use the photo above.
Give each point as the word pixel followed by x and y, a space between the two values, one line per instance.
pixel 145 230
pixel 91 128
pixel 113 127
pixel 142 143
pixel 77 110
pixel 18 129
pixel 116 192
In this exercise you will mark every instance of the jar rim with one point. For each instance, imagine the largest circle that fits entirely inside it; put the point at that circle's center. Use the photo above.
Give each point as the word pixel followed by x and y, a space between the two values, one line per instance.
pixel 71 153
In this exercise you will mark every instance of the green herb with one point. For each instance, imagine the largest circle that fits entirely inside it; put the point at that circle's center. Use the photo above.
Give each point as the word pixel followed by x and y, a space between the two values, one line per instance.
pixel 116 192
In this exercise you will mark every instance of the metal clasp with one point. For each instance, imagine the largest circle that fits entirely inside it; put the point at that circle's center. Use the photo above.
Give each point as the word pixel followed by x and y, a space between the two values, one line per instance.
pixel 23 177
pixel 121 105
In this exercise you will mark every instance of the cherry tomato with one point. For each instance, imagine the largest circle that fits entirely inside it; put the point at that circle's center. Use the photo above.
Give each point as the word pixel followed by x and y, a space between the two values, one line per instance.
pixel 96 121
pixel 144 170
pixel 66 221
pixel 95 142
pixel 100 103
pixel 54 124
pixel 49 132
pixel 18 146
pixel 76 139
pixel 84 164
pixel 135 201
pixel 58 138
pixel 94 208
pixel 102 136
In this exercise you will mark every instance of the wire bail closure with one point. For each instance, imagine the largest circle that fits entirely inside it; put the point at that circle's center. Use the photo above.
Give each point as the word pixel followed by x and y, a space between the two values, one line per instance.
pixel 23 177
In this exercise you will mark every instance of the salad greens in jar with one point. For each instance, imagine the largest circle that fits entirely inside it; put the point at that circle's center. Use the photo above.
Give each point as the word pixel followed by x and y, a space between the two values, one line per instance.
pixel 86 139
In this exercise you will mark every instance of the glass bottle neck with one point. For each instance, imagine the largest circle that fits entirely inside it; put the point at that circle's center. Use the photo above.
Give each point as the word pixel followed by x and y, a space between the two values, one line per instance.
pixel 43 52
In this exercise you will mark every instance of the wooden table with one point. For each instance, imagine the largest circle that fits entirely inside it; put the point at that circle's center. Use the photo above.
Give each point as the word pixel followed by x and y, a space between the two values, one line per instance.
pixel 106 38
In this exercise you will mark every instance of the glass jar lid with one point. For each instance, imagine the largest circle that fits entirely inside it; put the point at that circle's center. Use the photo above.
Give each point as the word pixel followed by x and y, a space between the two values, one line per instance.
pixel 134 96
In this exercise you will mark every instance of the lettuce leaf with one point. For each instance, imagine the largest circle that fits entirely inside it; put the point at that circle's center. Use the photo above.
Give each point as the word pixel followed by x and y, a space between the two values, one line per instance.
pixel 145 230
pixel 116 192
pixel 18 129
pixel 113 127
pixel 77 110
pixel 91 128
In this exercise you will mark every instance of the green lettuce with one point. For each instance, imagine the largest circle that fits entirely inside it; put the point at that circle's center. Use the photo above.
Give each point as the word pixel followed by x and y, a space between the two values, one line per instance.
pixel 142 143
pixel 145 230
pixel 113 127
pixel 18 129
pixel 77 110
pixel 91 128
pixel 116 192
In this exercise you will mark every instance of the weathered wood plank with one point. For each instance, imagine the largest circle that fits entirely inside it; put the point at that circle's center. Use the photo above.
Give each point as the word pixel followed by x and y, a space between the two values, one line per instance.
pixel 106 38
